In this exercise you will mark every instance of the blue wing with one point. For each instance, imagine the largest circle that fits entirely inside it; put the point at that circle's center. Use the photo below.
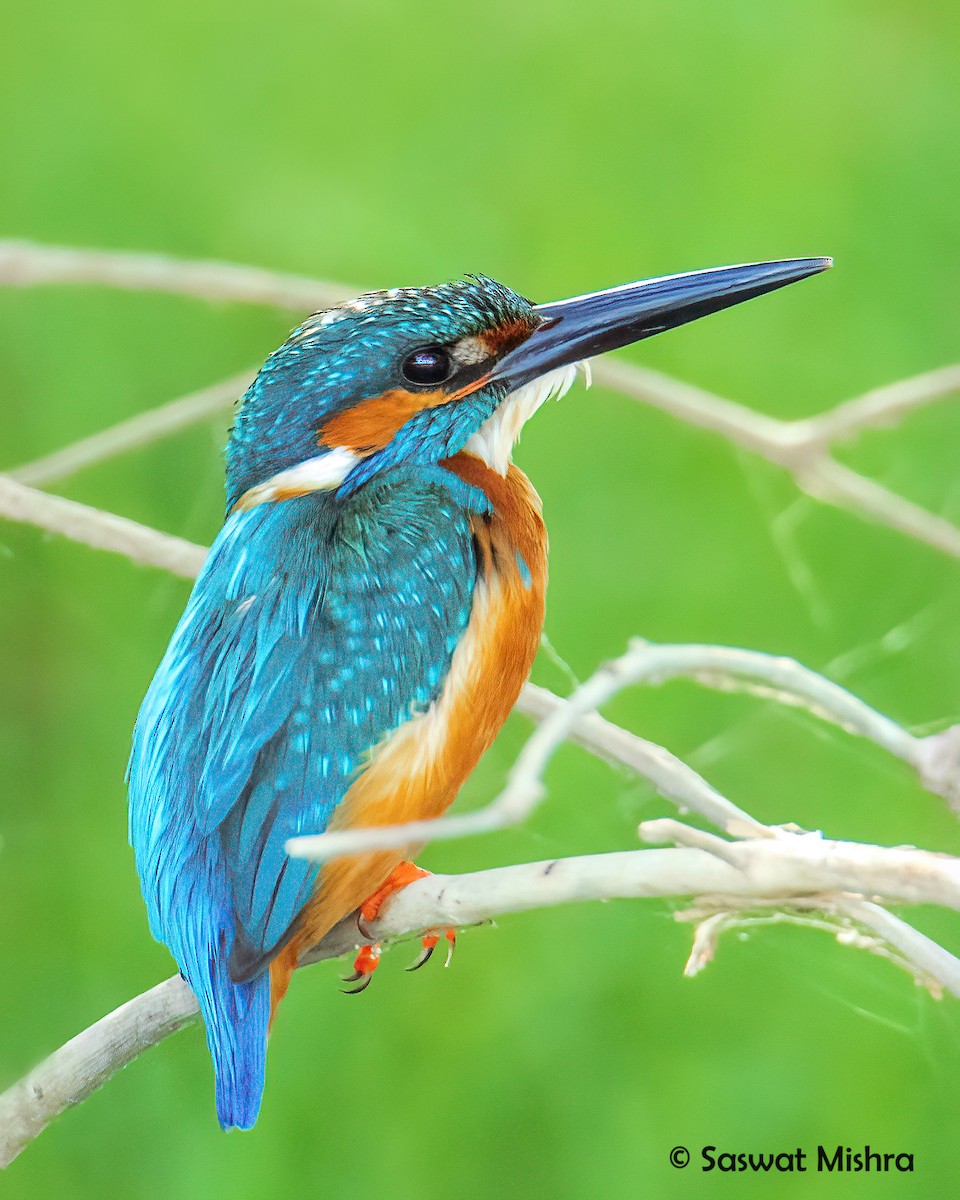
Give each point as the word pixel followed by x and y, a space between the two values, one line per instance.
pixel 316 627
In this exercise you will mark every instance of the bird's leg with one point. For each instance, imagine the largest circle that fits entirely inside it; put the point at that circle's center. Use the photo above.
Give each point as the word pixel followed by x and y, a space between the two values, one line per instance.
pixel 400 877
pixel 368 957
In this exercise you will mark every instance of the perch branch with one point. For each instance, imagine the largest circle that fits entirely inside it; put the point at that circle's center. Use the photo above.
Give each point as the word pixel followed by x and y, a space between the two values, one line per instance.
pixel 760 869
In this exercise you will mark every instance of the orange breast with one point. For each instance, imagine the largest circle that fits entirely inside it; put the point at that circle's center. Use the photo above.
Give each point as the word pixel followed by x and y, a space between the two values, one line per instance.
pixel 417 772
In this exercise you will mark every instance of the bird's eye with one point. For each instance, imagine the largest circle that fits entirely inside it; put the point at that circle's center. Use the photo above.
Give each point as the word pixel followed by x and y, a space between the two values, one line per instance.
pixel 427 366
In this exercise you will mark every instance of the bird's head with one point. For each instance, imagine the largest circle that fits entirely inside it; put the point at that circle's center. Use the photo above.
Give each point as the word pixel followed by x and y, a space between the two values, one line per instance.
pixel 414 375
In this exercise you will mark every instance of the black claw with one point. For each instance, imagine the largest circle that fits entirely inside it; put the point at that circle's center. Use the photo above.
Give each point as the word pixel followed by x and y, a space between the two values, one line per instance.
pixel 361 986
pixel 425 955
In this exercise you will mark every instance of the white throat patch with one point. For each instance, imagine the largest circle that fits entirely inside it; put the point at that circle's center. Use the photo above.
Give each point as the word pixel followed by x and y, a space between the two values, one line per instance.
pixel 322 473
pixel 496 437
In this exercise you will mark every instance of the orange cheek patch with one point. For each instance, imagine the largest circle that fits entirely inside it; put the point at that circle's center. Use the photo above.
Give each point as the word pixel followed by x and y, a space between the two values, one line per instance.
pixel 374 422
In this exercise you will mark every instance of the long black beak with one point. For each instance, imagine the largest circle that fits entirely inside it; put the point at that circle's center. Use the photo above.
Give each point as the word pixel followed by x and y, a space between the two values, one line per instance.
pixel 587 325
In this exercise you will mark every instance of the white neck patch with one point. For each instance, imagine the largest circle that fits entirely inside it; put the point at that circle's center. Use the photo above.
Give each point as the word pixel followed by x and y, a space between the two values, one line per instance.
pixel 322 473
pixel 494 440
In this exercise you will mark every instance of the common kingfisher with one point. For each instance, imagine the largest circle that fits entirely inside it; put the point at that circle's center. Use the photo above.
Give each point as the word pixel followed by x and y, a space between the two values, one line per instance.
pixel 364 621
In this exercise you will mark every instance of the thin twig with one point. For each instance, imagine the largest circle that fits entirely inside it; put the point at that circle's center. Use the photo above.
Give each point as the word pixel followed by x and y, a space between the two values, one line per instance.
pixel 141 430
pixel 920 952
pixel 669 775
pixel 827 480
pixel 883 406
pixel 938 763
pixel 719 666
pixel 28 264
pixel 845 918
pixel 801 447
pixel 776 677
pixel 98 529
pixel 695 406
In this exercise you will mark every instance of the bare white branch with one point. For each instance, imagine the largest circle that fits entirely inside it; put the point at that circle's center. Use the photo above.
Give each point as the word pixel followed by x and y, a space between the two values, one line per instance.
pixel 807 863
pixel 778 678
pixel 848 919
pixel 827 480
pixel 29 264
pixel 101 530
pixel 669 775
pixel 141 430
pixel 802 447
pixel 938 761
pixel 88 1060
pixel 773 677
pixel 782 870
pixel 751 430
pixel 901 874
pixel 930 961
pixel 883 406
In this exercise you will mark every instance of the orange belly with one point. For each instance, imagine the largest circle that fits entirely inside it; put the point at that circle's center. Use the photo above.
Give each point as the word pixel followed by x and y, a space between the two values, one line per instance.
pixel 418 770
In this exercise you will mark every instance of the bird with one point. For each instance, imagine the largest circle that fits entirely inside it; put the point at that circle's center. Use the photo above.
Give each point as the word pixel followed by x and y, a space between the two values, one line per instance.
pixel 363 623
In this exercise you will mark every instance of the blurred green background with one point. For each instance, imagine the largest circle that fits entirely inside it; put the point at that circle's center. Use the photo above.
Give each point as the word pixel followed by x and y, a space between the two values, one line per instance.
pixel 561 148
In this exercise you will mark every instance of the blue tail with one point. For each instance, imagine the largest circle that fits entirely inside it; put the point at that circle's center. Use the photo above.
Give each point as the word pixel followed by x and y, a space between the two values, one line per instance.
pixel 237 1016
pixel 187 887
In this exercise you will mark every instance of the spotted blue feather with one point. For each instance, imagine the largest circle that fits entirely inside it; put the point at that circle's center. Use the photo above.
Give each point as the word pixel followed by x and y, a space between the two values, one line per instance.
pixel 317 627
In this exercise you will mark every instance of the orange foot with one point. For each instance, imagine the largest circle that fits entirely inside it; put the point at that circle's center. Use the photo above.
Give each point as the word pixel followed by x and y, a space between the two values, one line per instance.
pixel 429 944
pixel 402 875
pixel 368 958
pixel 364 966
